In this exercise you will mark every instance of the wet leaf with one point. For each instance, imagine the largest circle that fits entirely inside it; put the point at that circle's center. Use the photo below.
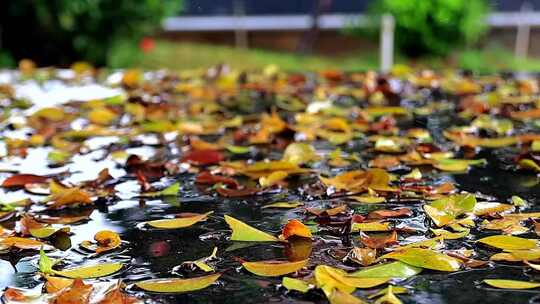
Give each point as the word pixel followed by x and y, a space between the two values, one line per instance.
pixel 511 284
pixel 283 205
pixel 389 297
pixel 20 180
pixel 176 285
pixel 299 153
pixel 172 190
pixel 445 211
pixel 77 293
pixel 295 284
pixel 203 157
pixel 106 240
pixel 425 258
pixel 181 222
pixel 339 297
pixel 508 242
pixel 388 270
pixel 90 271
pixel 273 268
pixel 246 233
pixel 295 228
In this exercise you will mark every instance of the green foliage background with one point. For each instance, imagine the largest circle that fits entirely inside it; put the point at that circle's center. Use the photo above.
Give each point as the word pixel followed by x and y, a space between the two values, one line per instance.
pixel 434 27
pixel 62 31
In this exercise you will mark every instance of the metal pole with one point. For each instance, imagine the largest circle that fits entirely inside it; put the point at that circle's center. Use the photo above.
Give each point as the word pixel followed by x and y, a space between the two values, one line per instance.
pixel 523 33
pixel 240 34
pixel 386 47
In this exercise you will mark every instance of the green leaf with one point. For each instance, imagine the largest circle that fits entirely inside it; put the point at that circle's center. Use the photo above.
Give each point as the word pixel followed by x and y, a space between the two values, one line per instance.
pixel 90 272
pixel 173 285
pixel 180 222
pixel 238 149
pixel 511 284
pixel 508 242
pixel 45 263
pixel 446 210
pixel 295 284
pixel 172 190
pixel 425 258
pixel 244 232
pixel 388 270
pixel 518 201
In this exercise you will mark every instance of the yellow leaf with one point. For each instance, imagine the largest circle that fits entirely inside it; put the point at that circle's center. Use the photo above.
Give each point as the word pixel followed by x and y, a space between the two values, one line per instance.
pixel 425 258
pixel 88 272
pixel 295 284
pixel 177 284
pixel 338 297
pixel 370 226
pixel 508 242
pixel 181 222
pixel 511 284
pixel 244 232
pixel 273 268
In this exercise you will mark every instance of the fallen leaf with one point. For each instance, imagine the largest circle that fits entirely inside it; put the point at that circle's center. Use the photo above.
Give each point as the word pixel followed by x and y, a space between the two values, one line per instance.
pixel 175 285
pixel 295 228
pixel 76 293
pixel 20 180
pixel 425 258
pixel 90 271
pixel 389 270
pixel 246 233
pixel 295 284
pixel 181 222
pixel 508 242
pixel 511 284
pixel 273 268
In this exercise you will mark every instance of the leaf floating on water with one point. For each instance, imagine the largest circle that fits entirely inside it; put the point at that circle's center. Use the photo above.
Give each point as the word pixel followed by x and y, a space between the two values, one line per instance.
pixel 22 243
pixel 511 284
pixel 295 228
pixel 446 210
pixel 299 153
pixel 172 190
pixel 274 268
pixel 509 242
pixel 246 233
pixel 91 271
pixel 389 270
pixel 181 222
pixel 20 180
pixel 283 205
pixel 176 285
pixel 425 258
pixel 389 297
pixel 339 297
pixel 78 292
pixel 106 240
pixel 295 284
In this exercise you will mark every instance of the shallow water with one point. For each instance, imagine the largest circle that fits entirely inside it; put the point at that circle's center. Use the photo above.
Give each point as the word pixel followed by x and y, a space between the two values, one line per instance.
pixel 150 253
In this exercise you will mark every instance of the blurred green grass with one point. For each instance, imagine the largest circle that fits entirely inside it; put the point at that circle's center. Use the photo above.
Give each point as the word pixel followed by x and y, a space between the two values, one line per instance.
pixel 185 55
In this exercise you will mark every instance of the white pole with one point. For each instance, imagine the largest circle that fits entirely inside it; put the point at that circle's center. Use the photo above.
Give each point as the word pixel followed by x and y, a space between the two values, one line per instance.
pixel 386 44
pixel 523 34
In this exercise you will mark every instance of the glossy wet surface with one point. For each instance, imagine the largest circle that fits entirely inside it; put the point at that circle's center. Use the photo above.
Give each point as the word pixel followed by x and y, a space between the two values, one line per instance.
pixel 151 253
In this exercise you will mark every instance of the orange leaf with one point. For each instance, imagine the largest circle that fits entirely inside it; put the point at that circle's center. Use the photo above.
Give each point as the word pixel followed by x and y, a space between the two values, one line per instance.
pixel 77 293
pixel 295 228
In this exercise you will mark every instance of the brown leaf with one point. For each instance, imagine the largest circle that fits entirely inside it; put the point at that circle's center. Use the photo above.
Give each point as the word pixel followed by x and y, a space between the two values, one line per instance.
pixel 385 213
pixel 203 157
pixel 20 180
pixel 380 240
